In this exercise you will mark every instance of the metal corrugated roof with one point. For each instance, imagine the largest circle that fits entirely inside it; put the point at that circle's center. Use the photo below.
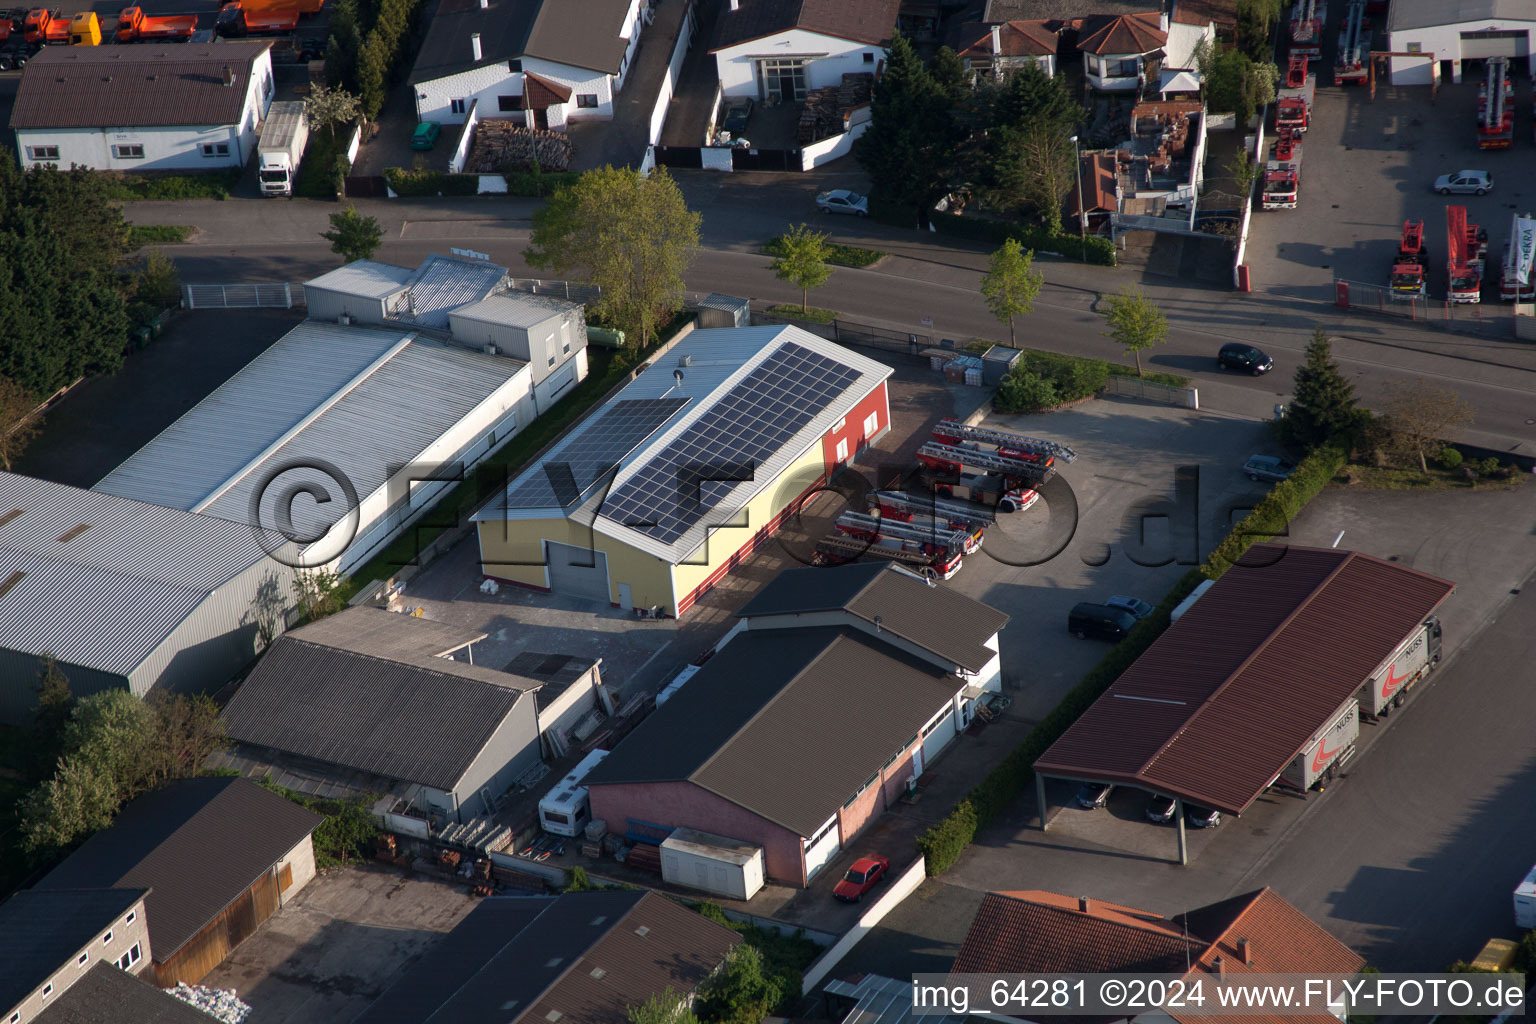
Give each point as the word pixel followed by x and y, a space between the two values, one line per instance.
pixel 385 634
pixel 360 400
pixel 107 597
pixel 368 278
pixel 1221 702
pixel 443 283
pixel 1411 14
pixel 517 309
pixel 42 931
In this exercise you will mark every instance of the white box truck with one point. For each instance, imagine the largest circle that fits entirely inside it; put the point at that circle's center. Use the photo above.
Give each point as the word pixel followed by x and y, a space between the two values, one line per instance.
pixel 281 147
pixel 1393 678
pixel 1327 750
pixel 565 810
pixel 1525 901
pixel 726 867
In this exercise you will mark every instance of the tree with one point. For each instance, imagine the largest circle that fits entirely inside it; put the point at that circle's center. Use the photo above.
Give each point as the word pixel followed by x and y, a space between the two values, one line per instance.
pixel 1245 172
pixel 739 992
pixel 159 282
pixel 1135 322
pixel 189 732
pixel 78 800
pixel 1234 82
pixel 1255 19
pixel 1417 415
pixel 1012 283
pixel 1324 405
pixel 50 717
pixel 1029 144
pixel 353 236
pixel 325 108
pixel 631 235
pixel 949 75
pixel 911 132
pixel 665 1008
pixel 17 426
pixel 317 592
pixel 802 260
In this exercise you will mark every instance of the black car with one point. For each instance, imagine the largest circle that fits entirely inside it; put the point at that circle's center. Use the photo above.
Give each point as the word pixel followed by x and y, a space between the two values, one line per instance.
pixel 1237 356
pixel 1100 621
pixel 1201 817
pixel 1160 809
pixel 1093 795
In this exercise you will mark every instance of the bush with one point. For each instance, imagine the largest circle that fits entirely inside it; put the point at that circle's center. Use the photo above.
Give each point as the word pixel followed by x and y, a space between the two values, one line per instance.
pixel 1449 457
pixel 431 183
pixel 1100 251
pixel 1069 378
pixel 140 235
pixel 202 185
pixel 317 170
pixel 348 831
pixel 537 184
pixel 1025 392
pixel 790 311
pixel 1272 517
pixel 838 255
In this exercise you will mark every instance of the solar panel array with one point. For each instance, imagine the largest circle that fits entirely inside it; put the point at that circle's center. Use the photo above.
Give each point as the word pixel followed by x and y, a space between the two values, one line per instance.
pixel 725 445
pixel 568 476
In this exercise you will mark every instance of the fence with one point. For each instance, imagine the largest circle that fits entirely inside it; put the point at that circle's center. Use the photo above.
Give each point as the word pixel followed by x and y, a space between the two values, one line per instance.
pixel 1375 298
pixel 1135 387
pixel 242 296
pixel 847 332
pixel 572 290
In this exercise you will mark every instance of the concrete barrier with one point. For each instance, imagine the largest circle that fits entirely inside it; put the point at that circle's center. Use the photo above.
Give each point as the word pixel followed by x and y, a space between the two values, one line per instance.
pixel 896 890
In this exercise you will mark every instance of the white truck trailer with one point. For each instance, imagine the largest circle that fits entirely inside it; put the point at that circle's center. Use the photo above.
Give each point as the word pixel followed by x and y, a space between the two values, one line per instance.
pixel 1388 686
pixel 566 810
pixel 282 147
pixel 1327 750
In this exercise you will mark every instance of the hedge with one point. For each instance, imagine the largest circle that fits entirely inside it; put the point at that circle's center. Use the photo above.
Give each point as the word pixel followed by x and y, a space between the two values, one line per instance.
pixel 1041 380
pixel 1272 516
pixel 1093 249
pixel 154 185
pixel 538 184
pixel 430 183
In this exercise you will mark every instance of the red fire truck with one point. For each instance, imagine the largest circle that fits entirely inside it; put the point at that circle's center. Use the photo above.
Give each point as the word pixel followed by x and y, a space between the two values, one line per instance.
pixel 1496 107
pixel 1467 256
pixel 1307 19
pixel 1410 263
pixel 1352 66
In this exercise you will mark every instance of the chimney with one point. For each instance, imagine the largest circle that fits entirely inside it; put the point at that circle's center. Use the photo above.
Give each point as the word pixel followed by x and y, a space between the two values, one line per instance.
pixel 229 75
pixel 1082 904
pixel 1221 967
pixel 474 44
pixel 1245 952
pixel 997 40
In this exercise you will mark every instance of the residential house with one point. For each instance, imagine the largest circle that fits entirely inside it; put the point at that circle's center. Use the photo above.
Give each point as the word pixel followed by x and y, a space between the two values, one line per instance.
pixel 213 858
pixel 51 940
pixel 577 958
pixel 552 61
pixel 1097 175
pixel 1117 51
pixel 143 108
pixel 776 51
pixel 1003 47
pixel 1190 23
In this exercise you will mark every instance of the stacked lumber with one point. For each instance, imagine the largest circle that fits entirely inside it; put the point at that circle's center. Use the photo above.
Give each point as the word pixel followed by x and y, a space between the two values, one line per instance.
pixel 645 857
pixel 500 146
pixel 825 110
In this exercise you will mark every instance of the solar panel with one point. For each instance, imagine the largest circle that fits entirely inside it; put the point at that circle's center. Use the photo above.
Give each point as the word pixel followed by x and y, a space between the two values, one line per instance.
pixel 568 477
pixel 673 491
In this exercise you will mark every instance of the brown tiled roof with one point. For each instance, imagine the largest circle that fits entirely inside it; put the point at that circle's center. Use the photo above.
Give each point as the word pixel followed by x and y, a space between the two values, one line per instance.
pixel 862 21
pixel 1127 33
pixel 1216 707
pixel 1098 182
pixel 1204 12
pixel 1017 38
pixel 1059 10
pixel 134 86
pixel 539 93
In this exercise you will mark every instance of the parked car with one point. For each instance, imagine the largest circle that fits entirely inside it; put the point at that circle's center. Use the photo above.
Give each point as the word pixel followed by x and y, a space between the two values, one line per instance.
pixel 1201 817
pixel 736 114
pixel 1160 809
pixel 841 200
pixel 1237 356
pixel 425 135
pixel 1093 795
pixel 1268 467
pixel 866 873
pixel 1099 621
pixel 1135 605
pixel 1478 183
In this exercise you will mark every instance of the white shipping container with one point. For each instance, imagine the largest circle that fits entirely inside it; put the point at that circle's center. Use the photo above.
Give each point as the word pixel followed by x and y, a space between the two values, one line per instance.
pixel 1525 901
pixel 715 864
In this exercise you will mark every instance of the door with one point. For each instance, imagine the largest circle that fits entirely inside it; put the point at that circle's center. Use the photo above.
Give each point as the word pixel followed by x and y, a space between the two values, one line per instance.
pixel 822 848
pixel 626 601
pixel 541 119
pixel 575 572
pixel 937 737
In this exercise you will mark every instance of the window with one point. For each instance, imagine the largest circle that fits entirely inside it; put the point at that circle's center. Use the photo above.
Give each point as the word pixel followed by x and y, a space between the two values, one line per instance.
pixel 869 58
pixel 506 103
pixel 456 106
pixel 16 1017
pixel 871 424
pixel 129 958
pixel 132 916
pixel 82 959
pixel 128 152
pixel 551 360
pixel 515 66
pixel 842 450
pixel 215 149
pixel 1126 68
pixel 42 152
pixel 48 990
pixel 105 939
pixel 565 349
pixel 586 99
pixel 840 424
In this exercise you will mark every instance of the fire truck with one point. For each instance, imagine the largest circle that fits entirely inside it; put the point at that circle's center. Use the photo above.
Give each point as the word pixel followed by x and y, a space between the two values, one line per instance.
pixel 957 515
pixel 1307 19
pixel 1033 449
pixel 1468 254
pixel 859 535
pixel 1496 107
pixel 1353 64
pixel 1519 253
pixel 1410 263
pixel 992 468
pixel 1282 173
pixel 1293 107
pixel 873 525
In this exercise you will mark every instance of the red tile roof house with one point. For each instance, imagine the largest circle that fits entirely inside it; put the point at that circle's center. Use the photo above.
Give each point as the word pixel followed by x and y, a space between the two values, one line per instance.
pixel 1007 46
pixel 778 50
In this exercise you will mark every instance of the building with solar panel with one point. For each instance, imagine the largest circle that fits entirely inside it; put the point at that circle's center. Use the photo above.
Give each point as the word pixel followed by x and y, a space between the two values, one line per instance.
pixel 651 500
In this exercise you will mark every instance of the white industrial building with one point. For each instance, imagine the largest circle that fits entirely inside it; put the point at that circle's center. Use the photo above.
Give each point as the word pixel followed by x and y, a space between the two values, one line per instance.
pixel 151 107
pixel 777 52
pixel 1455 32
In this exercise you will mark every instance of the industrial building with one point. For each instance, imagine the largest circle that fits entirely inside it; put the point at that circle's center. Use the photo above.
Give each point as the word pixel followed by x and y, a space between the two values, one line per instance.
pixel 125 594
pixel 1456 38
pixel 51 941
pixel 658 494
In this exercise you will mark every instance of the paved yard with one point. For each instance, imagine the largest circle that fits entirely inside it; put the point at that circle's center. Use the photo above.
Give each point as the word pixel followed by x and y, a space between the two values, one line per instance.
pixel 328 954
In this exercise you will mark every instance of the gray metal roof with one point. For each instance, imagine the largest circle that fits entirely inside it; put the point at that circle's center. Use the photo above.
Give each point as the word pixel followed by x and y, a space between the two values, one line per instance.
pixel 106 597
pixel 881 1000
pixel 408 720
pixel 935 618
pixel 443 283
pixel 518 309
pixel 357 399
pixel 386 634
pixel 43 931
pixel 729 303
pixel 1411 14
pixel 368 278
pixel 765 723
pixel 108 995
pixel 198 844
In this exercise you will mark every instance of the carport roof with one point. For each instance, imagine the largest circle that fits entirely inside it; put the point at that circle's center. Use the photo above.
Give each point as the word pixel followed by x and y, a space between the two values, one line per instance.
pixel 1410 14
pixel 1220 703
pixel 387 634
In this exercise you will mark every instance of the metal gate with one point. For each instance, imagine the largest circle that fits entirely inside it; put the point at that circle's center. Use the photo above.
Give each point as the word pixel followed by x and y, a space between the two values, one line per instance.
pixel 679 156
pixel 365 186
pixel 744 159
pixel 577 572
pixel 239 296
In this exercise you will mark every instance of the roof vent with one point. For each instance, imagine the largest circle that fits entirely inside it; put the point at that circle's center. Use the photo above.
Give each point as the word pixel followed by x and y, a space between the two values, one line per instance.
pixel 685 360
pixel 72 534
pixel 878 622
pixel 598 973
pixel 509 1004
pixel 1221 967
pixel 492 350
pixel 106 78
pixel 554 961
pixel 474 44
pixel 642 931
pixel 1082 904
pixel 151 78
pixel 1245 951
pixel 599 919
pixel 229 75
pixel 552 1016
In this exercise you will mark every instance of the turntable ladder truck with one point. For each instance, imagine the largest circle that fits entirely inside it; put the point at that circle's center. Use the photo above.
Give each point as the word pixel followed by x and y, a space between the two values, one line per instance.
pixel 1496 107
pixel 1006 441
pixel 1307 19
pixel 1354 58
pixel 1467 246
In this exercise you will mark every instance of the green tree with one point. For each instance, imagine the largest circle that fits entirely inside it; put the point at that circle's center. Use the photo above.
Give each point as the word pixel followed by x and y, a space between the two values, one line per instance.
pixel 1135 322
pixel 353 236
pixel 78 800
pixel 664 1008
pixel 1255 20
pixel 159 282
pixel 1324 405
pixel 1245 172
pixel 802 260
pixel 188 731
pixel 740 992
pixel 17 426
pixel 325 108
pixel 1417 415
pixel 1011 284
pixel 50 717
pixel 907 145
pixel 1029 150
pixel 1234 82
pixel 949 74
pixel 632 235
pixel 317 592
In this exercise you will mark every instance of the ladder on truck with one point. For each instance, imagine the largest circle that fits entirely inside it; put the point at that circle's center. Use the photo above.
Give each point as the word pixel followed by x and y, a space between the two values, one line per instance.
pixel 932 533
pixel 1496 115
pixel 842 547
pixel 1306 25
pixel 991 462
pixel 934 507
pixel 951 429
pixel 1350 39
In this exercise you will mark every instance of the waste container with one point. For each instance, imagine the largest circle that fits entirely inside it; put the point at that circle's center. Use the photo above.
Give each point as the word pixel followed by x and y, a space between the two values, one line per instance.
pixel 141 336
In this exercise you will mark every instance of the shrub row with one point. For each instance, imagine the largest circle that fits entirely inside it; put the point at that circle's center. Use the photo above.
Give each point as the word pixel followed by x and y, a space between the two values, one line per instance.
pixel 430 183
pixel 202 185
pixel 140 235
pixel 323 170
pixel 536 184
pixel 1041 380
pixel 1092 250
pixel 1272 516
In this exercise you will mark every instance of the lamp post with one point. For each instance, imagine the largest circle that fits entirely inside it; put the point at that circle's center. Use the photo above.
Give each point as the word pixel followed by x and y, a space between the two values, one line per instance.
pixel 1082 200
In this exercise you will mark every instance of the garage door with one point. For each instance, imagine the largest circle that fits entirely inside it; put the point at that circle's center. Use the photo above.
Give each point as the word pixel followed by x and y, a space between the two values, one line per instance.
pixel 577 573
pixel 937 736
pixel 823 847
pixel 1498 43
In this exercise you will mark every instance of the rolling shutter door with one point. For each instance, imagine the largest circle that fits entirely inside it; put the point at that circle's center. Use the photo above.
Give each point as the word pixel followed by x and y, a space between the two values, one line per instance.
pixel 578 573
pixel 823 847
pixel 1482 45
pixel 937 736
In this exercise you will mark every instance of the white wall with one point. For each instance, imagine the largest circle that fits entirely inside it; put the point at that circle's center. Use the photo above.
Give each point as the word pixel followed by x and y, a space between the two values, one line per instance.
pixel 1444 41
pixel 827 150
pixel 1092 63
pixel 738 69
pixel 674 71
pixel 634 26
pixel 485 84
pixel 302 860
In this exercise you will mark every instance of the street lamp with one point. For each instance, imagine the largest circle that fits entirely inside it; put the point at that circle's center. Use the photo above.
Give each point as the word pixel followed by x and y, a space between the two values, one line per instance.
pixel 1082 200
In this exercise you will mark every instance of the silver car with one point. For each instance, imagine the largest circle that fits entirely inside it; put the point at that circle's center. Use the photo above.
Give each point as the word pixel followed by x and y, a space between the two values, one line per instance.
pixel 1478 183
pixel 842 200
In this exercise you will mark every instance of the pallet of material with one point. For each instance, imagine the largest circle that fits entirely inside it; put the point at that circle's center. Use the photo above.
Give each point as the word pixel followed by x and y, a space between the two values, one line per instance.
pixel 645 857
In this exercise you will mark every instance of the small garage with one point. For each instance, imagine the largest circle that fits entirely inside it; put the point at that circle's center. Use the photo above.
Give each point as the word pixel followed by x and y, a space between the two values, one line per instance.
pixel 1460 36
pixel 577 572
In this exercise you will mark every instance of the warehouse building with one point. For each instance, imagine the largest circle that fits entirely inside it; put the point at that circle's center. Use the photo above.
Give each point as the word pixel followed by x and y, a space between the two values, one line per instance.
pixel 126 594
pixel 1254 673
pixel 656 496
pixel 1460 35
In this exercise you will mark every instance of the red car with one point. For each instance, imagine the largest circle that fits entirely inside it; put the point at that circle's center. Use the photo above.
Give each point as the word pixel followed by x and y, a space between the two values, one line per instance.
pixel 866 873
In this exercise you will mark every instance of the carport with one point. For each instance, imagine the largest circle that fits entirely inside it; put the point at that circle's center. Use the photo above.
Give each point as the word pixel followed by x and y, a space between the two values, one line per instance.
pixel 1247 679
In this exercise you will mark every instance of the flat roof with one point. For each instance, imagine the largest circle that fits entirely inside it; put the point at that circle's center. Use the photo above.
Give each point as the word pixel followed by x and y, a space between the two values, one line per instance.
pixel 367 278
pixel 1228 695
pixel 387 634
pixel 516 309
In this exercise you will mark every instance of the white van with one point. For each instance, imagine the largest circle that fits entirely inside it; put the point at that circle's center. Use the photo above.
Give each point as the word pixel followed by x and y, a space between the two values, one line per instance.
pixel 565 810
